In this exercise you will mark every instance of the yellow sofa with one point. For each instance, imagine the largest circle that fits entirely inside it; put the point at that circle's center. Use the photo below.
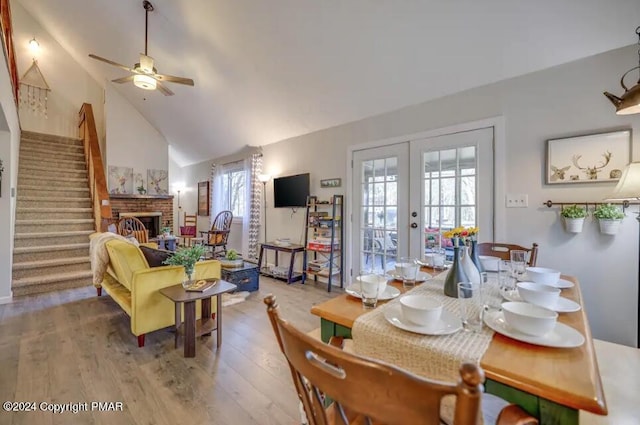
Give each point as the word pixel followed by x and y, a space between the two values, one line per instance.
pixel 135 287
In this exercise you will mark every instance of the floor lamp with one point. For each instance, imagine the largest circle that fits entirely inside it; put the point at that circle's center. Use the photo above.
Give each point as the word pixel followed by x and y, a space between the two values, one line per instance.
pixel 264 178
pixel 628 189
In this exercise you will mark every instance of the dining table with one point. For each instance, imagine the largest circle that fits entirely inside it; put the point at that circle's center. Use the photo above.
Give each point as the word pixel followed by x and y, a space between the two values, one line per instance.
pixel 550 383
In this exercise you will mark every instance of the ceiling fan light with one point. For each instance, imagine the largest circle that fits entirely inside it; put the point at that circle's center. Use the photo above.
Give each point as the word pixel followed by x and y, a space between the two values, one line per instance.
pixel 630 102
pixel 144 82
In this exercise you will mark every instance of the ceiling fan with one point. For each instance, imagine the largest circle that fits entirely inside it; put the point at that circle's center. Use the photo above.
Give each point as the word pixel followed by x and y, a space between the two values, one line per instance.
pixel 145 75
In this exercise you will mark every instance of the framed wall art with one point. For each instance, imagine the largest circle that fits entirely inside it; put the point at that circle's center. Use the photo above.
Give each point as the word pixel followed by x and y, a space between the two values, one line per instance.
pixel 203 198
pixel 594 158
pixel 120 180
pixel 331 183
pixel 157 182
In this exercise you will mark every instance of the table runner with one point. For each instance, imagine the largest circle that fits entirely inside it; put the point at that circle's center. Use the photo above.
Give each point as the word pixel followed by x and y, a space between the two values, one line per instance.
pixel 433 357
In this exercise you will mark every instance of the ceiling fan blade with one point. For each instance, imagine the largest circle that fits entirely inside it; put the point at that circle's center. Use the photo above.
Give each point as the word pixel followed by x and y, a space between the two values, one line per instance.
pixel 173 79
pixel 110 62
pixel 123 79
pixel 165 91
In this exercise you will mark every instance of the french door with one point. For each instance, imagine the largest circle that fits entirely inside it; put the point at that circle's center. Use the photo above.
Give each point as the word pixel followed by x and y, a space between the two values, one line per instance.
pixel 406 194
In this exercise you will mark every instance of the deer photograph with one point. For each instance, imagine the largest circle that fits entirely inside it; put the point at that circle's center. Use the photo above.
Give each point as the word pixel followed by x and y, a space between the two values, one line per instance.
pixel 592 172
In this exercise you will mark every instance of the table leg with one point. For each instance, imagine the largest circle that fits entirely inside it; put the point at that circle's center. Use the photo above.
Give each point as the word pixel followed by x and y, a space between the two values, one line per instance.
pixel 190 329
pixel 291 262
pixel 206 312
pixel 178 322
pixel 260 257
pixel 219 320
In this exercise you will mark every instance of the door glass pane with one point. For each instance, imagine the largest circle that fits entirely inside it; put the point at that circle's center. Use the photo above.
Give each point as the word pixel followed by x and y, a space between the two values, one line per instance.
pixel 392 193
pixel 468 190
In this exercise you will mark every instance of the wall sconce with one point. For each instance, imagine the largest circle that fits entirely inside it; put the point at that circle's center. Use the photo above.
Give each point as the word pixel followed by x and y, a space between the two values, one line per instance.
pixel 629 103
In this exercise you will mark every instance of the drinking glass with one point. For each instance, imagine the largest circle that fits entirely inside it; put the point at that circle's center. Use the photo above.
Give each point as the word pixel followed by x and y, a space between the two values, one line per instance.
pixel 518 263
pixel 369 288
pixel 438 258
pixel 470 299
pixel 408 271
pixel 505 277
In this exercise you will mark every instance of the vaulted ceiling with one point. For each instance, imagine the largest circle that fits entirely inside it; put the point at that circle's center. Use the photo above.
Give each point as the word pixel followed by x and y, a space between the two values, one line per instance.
pixel 268 70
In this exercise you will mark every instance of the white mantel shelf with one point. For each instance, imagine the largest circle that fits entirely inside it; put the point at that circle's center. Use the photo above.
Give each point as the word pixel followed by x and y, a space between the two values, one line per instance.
pixel 132 196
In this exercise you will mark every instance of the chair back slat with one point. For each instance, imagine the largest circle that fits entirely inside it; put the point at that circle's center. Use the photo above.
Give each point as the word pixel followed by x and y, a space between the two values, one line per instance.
pixel 131 226
pixel 503 251
pixel 368 388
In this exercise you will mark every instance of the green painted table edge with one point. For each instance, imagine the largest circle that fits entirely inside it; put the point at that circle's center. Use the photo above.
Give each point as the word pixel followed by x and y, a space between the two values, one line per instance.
pixel 547 411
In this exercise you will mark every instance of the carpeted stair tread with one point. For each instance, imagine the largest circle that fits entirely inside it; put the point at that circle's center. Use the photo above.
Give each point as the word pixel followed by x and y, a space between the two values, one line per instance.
pixel 54 162
pixel 52 199
pixel 54 188
pixel 48 144
pixel 54 209
pixel 50 263
pixel 52 234
pixel 55 221
pixel 52 179
pixel 57 277
pixel 40 169
pixel 46 248
pixel 32 135
pixel 32 151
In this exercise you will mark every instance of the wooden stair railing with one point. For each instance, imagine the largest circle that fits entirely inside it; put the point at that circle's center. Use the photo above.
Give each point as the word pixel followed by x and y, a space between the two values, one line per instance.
pixel 97 180
pixel 7 43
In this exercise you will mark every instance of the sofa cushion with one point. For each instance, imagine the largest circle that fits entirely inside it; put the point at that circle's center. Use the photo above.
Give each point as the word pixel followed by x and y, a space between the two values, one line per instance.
pixel 155 257
pixel 125 259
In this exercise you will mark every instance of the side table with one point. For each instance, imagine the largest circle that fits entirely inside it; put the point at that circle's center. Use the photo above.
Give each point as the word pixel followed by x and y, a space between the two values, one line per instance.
pixel 205 324
pixel 292 249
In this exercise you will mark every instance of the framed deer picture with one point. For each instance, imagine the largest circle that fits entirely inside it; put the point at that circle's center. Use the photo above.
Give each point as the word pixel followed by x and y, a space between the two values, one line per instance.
pixel 593 158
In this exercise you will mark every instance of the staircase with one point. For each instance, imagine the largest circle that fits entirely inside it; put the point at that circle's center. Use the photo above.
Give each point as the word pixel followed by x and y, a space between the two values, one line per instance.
pixel 53 216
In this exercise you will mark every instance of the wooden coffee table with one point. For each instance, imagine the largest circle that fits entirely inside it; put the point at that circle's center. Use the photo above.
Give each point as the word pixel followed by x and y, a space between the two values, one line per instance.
pixel 192 327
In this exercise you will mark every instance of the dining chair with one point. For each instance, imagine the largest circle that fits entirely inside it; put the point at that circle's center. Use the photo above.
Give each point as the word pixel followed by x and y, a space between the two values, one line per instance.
pixel 216 238
pixel 503 251
pixel 364 390
pixel 131 226
pixel 188 231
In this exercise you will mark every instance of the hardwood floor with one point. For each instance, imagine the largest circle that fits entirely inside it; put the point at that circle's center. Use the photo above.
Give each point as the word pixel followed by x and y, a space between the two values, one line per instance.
pixel 74 347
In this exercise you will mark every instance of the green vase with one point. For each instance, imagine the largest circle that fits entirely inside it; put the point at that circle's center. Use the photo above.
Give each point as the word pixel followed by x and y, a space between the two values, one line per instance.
pixel 455 275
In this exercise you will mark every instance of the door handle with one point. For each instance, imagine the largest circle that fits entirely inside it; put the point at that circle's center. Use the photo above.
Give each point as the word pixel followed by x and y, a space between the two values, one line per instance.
pixel 414 225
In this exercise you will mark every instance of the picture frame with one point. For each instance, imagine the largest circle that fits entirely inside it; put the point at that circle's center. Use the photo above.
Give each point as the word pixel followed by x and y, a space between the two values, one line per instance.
pixel 203 198
pixel 326 183
pixel 592 158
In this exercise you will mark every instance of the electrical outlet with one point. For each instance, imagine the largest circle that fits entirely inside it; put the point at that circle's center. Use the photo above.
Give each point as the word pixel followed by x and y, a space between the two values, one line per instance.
pixel 517 200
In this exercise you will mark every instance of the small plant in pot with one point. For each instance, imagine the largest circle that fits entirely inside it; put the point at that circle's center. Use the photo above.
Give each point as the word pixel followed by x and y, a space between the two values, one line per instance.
pixel 166 231
pixel 187 257
pixel 232 259
pixel 573 218
pixel 609 216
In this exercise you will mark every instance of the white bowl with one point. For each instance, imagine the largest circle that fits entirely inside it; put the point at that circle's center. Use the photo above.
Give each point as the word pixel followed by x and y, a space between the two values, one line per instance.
pixel 489 263
pixel 374 278
pixel 543 275
pixel 420 309
pixel 528 318
pixel 535 293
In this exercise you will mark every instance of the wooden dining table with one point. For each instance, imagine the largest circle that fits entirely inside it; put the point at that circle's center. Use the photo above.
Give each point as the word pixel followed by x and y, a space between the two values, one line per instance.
pixel 552 384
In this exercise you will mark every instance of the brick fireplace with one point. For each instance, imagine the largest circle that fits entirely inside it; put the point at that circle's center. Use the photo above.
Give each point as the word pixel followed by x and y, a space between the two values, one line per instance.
pixel 155 211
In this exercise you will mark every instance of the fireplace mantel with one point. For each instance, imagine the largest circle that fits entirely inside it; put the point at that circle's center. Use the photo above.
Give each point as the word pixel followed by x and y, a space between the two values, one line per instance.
pixel 132 196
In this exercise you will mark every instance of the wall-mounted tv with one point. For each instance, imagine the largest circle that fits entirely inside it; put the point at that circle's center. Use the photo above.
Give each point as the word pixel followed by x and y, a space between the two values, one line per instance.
pixel 291 191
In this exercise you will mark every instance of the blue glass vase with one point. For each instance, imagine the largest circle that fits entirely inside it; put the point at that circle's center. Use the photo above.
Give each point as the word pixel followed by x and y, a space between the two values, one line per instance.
pixel 455 275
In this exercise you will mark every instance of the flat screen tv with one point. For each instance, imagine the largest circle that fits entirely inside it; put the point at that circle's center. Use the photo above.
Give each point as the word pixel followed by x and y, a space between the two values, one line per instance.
pixel 291 191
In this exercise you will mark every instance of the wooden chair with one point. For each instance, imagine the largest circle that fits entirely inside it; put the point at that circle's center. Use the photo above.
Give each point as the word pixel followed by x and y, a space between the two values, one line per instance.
pixel 217 237
pixel 188 231
pixel 365 390
pixel 503 250
pixel 131 226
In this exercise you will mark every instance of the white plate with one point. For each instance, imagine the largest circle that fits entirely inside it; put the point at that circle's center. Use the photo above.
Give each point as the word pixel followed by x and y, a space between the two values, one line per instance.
pixel 561 284
pixel 448 323
pixel 562 336
pixel 563 305
pixel 390 292
pixel 420 277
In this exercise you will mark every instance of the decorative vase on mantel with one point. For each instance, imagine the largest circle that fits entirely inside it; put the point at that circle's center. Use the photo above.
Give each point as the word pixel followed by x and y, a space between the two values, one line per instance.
pixel 469 267
pixel 455 275
pixel 475 257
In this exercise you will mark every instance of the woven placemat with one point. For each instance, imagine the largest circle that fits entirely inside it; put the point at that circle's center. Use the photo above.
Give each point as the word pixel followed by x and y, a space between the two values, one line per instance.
pixel 433 357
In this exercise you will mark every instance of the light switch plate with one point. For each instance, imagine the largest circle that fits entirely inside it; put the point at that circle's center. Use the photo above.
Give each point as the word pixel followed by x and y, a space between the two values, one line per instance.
pixel 517 200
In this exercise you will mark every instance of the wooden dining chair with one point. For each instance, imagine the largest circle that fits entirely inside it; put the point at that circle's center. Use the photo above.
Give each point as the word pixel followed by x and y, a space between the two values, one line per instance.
pixel 131 226
pixel 503 251
pixel 365 390
pixel 216 238
pixel 188 231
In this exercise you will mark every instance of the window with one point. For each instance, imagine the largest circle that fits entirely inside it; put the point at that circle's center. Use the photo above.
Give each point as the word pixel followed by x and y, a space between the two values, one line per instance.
pixel 233 190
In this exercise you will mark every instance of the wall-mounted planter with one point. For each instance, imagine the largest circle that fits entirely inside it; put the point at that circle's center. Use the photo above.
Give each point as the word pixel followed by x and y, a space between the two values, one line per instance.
pixel 609 227
pixel 573 225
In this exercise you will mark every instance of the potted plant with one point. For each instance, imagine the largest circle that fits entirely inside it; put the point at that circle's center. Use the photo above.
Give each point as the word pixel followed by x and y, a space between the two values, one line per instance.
pixel 573 218
pixel 187 257
pixel 232 259
pixel 609 217
pixel 166 231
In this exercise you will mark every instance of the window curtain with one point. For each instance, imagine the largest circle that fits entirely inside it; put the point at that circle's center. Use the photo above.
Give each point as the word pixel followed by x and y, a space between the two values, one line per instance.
pixel 251 219
pixel 215 195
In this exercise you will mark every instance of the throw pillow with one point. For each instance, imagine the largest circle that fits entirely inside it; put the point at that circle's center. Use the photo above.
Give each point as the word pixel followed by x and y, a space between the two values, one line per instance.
pixel 216 239
pixel 155 257
pixel 187 230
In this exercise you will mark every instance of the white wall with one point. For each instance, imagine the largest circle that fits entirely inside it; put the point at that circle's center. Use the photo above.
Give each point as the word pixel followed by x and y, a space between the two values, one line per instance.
pixel 562 101
pixel 131 141
pixel 9 147
pixel 70 84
